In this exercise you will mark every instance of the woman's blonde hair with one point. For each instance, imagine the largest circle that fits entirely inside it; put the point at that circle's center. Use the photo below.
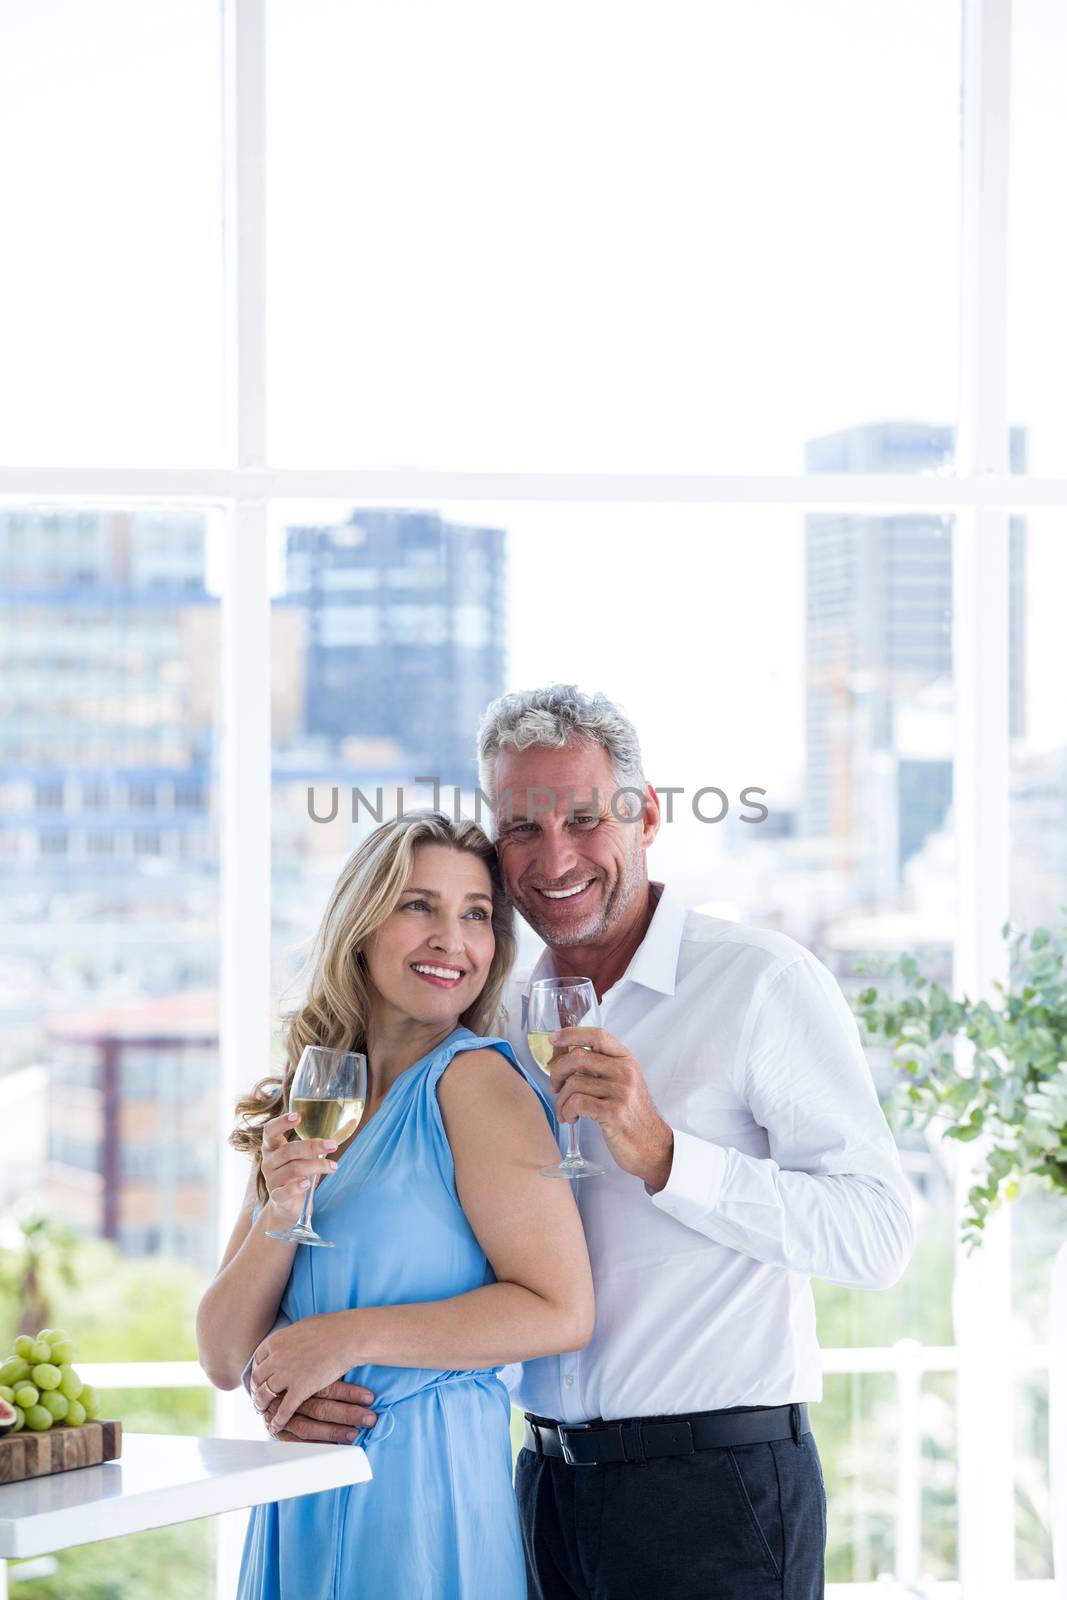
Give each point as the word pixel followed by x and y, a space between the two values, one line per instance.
pixel 337 1008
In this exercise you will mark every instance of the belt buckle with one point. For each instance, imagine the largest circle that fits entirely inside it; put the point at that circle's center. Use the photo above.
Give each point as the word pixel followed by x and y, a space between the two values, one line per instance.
pixel 575 1428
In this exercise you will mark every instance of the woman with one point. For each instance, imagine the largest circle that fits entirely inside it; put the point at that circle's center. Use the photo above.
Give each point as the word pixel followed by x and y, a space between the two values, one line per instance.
pixel 451 1254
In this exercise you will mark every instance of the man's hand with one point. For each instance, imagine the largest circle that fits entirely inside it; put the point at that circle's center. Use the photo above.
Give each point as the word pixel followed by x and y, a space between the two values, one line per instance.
pixel 333 1416
pixel 599 1078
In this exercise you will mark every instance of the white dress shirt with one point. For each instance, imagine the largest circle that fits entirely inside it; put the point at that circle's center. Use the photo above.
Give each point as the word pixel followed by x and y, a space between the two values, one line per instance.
pixel 784 1169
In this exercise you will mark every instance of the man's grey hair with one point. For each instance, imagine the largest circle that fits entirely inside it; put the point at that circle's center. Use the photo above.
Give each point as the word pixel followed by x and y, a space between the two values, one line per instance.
pixel 552 718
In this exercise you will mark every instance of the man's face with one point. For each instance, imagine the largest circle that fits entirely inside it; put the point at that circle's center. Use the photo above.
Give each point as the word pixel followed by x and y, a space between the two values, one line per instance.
pixel 572 868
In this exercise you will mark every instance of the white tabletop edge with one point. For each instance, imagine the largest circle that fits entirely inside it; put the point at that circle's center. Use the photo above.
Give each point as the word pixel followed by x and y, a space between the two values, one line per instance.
pixel 302 1469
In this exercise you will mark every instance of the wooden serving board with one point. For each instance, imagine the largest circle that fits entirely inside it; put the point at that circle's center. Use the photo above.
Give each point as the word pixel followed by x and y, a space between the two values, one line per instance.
pixel 34 1455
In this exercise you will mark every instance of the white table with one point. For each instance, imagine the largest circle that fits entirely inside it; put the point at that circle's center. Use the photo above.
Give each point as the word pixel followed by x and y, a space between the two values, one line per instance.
pixel 160 1479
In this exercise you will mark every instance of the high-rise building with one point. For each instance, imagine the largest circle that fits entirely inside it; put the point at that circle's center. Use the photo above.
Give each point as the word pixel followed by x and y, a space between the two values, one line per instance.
pixel 132 1140
pixel 1039 838
pixel 107 706
pixel 406 630
pixel 878 639
pixel 385 650
pixel 106 729
pixel 108 887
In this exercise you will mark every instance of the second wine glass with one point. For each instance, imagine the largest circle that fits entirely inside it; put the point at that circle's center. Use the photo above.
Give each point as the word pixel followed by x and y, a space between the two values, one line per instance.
pixel 556 1003
pixel 329 1090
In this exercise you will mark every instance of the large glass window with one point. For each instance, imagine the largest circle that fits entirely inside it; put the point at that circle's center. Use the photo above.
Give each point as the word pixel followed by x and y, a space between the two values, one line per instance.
pixel 590 242
pixel 110 961
pixel 1038 255
pixel 111 280
pixel 557 245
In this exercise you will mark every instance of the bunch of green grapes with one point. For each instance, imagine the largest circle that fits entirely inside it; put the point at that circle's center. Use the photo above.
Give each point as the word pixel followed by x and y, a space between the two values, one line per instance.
pixel 39 1381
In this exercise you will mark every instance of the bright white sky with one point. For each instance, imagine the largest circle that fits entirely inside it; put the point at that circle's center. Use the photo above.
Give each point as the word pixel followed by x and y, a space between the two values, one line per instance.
pixel 568 237
pixel 577 236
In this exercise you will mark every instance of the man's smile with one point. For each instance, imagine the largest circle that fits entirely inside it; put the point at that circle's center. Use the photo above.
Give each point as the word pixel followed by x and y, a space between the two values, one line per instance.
pixel 571 891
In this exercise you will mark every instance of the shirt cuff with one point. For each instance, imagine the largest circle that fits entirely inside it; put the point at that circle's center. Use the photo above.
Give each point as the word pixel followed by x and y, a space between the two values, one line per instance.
pixel 698 1170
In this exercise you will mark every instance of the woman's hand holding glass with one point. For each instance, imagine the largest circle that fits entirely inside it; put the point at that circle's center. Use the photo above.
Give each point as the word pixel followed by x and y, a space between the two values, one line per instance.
pixel 289 1165
pixel 326 1100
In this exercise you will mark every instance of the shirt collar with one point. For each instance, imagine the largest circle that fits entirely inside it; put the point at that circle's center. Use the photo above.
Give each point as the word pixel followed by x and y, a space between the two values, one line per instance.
pixel 654 964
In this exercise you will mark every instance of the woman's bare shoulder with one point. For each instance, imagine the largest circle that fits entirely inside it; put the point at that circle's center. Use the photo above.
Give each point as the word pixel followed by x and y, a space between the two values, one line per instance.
pixel 483 1069
pixel 481 1085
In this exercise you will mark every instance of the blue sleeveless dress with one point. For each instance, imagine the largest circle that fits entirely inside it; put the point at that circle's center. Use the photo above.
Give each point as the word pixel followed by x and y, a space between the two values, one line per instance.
pixel 439 1519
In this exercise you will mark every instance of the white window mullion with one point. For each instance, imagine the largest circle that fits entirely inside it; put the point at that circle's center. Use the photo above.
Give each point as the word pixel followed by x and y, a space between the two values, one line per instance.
pixel 810 492
pixel 244 733
pixel 982 1301
pixel 245 866
pixel 244 774
pixel 982 439
pixel 245 232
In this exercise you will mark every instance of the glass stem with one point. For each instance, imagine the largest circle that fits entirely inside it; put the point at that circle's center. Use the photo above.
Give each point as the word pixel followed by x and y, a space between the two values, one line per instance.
pixel 573 1152
pixel 304 1221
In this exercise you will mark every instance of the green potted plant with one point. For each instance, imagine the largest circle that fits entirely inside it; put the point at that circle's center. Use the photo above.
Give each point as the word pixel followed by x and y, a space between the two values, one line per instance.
pixel 1011 1092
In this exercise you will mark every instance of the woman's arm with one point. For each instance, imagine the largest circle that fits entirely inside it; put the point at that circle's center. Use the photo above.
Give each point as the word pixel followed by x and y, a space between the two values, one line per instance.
pixel 530 1231
pixel 240 1306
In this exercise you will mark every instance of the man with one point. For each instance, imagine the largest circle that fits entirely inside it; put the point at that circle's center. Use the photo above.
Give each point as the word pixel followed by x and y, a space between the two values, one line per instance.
pixel 730 1102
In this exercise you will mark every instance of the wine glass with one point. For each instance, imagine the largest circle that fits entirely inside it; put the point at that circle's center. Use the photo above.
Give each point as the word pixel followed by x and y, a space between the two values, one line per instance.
pixel 329 1090
pixel 556 1003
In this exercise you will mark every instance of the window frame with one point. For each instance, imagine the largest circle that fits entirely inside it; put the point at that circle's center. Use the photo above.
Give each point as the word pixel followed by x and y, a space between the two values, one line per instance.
pixel 981 493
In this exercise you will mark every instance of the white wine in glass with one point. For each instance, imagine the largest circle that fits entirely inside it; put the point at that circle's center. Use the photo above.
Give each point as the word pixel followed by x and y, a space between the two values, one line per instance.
pixel 326 1119
pixel 543 1051
pixel 556 1003
pixel 329 1090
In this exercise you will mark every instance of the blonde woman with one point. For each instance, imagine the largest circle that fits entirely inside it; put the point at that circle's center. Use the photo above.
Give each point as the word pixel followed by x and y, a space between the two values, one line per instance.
pixel 451 1258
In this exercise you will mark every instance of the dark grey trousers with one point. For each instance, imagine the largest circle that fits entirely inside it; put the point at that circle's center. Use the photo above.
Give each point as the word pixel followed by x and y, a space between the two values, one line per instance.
pixel 745 1522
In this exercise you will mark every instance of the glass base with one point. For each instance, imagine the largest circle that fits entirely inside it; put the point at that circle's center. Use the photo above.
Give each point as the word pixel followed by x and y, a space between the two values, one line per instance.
pixel 579 1168
pixel 295 1235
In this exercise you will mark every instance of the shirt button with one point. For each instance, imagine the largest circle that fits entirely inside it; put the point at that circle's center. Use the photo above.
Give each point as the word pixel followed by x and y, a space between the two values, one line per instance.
pixel 569 1378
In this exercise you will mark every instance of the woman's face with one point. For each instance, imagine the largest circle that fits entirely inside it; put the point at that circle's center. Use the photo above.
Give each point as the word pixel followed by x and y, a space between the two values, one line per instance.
pixel 430 958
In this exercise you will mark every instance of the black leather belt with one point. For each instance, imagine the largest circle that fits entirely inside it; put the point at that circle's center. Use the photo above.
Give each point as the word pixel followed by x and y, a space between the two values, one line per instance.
pixel 637 1439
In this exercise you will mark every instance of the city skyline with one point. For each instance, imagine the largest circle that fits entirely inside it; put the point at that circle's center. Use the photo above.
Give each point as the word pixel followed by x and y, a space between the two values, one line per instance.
pixel 340 585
